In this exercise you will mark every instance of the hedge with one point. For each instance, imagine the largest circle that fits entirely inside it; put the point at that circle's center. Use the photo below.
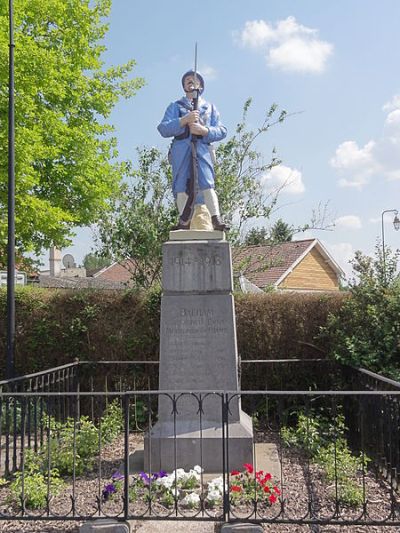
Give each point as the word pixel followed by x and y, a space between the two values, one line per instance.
pixel 54 327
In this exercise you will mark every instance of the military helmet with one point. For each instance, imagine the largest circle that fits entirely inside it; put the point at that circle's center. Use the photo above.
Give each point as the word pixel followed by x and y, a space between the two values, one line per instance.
pixel 199 77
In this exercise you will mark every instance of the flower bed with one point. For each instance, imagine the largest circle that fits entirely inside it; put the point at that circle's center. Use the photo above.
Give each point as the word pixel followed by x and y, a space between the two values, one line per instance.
pixel 189 490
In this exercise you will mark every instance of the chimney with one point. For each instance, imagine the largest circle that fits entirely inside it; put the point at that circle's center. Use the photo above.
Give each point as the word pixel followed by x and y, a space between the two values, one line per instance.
pixel 55 262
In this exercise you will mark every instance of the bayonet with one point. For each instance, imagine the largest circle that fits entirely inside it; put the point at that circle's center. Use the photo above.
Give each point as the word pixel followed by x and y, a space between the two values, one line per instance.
pixel 195 71
pixel 193 184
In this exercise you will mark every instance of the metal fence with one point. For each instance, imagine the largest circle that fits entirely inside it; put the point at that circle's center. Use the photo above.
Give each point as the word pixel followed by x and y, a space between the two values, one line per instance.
pixel 72 449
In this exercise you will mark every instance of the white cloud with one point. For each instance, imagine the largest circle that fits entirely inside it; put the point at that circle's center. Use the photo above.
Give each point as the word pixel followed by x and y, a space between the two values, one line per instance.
pixel 298 55
pixel 380 157
pixel 393 118
pixel 281 177
pixel 349 156
pixel 288 45
pixel 393 104
pixel 208 72
pixel 256 33
pixel 353 183
pixel 358 162
pixel 348 222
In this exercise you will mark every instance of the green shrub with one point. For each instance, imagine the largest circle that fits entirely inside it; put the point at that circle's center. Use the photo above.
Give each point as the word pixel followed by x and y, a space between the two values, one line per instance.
pixel 365 331
pixel 77 442
pixel 31 486
pixel 340 464
pixel 112 422
pixel 323 438
pixel 56 326
pixel 63 452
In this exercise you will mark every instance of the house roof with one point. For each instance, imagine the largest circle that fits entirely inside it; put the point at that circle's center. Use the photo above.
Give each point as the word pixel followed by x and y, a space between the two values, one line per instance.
pixel 271 264
pixel 117 271
pixel 52 282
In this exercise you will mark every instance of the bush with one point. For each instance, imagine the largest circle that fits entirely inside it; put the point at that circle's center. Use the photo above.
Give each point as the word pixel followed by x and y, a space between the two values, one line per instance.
pixel 34 483
pixel 112 422
pixel 365 331
pixel 77 442
pixel 56 326
pixel 322 437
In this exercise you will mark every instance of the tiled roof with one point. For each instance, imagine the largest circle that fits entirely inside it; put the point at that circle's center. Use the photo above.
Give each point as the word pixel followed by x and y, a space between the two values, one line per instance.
pixel 117 271
pixel 265 265
pixel 52 282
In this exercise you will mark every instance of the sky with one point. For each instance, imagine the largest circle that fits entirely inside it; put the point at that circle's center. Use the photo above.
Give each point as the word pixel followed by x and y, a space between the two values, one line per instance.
pixel 334 66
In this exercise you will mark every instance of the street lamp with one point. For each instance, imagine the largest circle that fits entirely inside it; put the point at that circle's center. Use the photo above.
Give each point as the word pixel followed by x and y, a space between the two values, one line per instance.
pixel 11 205
pixel 396 225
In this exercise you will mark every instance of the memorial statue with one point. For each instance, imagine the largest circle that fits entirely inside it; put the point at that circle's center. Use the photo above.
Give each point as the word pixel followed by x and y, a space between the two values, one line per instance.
pixel 194 124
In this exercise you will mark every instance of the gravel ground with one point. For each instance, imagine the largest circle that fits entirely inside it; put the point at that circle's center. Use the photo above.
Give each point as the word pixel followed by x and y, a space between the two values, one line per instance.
pixel 301 481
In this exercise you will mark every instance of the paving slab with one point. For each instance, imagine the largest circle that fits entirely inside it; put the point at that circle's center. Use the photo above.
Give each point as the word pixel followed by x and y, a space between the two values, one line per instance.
pixel 173 526
pixel 241 528
pixel 106 525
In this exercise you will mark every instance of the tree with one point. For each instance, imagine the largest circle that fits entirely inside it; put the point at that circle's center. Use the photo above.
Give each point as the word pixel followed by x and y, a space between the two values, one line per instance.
pixel 366 330
pixel 66 165
pixel 280 232
pixel 239 172
pixel 140 218
pixel 257 237
pixel 142 214
pixel 93 261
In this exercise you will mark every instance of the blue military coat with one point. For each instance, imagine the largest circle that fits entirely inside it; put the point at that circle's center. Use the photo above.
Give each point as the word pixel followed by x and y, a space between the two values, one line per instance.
pixel 181 152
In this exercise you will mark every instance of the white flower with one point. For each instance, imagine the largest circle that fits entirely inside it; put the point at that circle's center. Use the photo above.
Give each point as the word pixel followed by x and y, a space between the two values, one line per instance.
pixel 191 500
pixel 214 496
pixel 193 473
pixel 179 473
pixel 217 484
pixel 198 469
pixel 166 481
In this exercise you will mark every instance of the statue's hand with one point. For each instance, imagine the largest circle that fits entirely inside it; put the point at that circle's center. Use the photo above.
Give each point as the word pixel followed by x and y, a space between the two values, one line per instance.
pixel 190 118
pixel 198 129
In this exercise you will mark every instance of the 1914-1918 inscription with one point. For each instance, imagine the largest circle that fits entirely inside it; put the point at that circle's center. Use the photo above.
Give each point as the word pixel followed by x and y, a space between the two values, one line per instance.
pixel 196 267
pixel 202 260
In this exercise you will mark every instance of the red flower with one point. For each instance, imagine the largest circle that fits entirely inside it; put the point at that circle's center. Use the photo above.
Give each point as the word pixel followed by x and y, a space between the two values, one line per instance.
pixel 272 498
pixel 277 490
pixel 266 489
pixel 236 488
pixel 249 468
pixel 267 477
pixel 235 473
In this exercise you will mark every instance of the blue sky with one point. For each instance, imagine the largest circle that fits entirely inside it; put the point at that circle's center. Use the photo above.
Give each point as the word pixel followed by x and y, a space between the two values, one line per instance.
pixel 334 64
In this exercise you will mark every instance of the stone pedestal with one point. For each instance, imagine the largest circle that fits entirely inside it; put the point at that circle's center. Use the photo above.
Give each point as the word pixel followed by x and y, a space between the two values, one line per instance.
pixel 198 352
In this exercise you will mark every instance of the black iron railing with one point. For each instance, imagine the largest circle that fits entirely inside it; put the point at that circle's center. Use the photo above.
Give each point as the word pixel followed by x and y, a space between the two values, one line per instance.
pixel 76 433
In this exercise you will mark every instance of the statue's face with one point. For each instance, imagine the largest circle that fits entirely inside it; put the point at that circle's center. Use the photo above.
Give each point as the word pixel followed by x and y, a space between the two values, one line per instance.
pixel 189 84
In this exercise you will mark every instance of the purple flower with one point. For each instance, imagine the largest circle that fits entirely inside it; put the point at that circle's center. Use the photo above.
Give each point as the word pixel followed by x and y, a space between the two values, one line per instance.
pixel 108 491
pixel 117 476
pixel 145 478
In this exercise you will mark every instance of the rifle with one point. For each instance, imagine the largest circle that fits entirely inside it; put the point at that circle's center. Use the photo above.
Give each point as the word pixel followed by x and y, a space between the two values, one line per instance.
pixel 193 183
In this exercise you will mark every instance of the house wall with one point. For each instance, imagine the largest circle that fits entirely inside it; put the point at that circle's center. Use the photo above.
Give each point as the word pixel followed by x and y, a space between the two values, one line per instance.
pixel 312 273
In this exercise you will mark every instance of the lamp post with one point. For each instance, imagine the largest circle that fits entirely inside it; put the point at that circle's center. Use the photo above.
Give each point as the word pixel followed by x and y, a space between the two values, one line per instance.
pixel 11 205
pixel 396 225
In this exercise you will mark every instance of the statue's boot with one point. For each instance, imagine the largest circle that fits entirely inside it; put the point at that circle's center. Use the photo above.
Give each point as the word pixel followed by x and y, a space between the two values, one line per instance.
pixel 181 225
pixel 219 224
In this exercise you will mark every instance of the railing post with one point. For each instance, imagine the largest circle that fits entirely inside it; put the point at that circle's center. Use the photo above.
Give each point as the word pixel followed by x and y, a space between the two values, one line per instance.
pixel 126 455
pixel 224 399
